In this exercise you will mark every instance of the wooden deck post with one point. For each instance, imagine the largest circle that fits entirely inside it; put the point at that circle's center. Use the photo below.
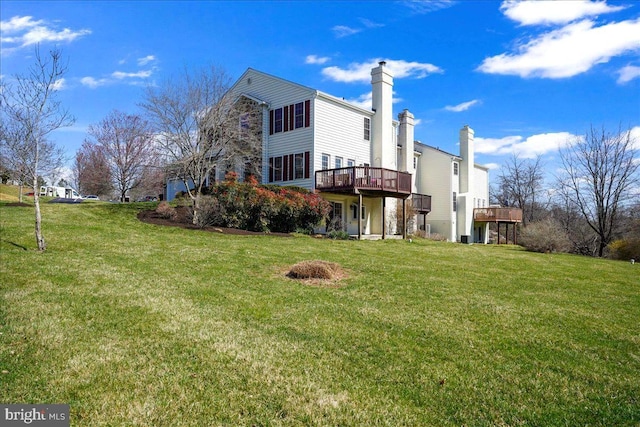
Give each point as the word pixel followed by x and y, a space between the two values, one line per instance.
pixel 360 216
pixel 384 219
pixel 404 219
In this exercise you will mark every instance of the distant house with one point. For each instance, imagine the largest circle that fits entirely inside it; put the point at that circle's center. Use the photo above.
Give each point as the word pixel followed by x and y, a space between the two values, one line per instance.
pixel 366 163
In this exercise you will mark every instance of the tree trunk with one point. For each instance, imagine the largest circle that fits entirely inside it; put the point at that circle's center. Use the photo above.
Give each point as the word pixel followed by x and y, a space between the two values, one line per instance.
pixel 196 210
pixel 20 193
pixel 42 246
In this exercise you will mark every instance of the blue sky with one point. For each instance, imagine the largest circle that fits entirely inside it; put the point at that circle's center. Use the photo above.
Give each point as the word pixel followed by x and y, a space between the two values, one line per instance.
pixel 527 76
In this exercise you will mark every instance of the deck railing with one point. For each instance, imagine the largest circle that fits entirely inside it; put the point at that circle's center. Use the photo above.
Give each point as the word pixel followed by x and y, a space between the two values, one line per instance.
pixel 363 178
pixel 495 214
pixel 421 202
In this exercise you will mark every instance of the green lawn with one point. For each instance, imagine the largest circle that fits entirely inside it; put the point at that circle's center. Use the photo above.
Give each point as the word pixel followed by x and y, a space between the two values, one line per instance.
pixel 135 324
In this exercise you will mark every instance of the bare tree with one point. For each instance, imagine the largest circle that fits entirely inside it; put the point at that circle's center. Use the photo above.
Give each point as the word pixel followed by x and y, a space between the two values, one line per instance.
pixel 30 112
pixel 520 184
pixel 600 172
pixel 201 126
pixel 126 142
pixel 91 170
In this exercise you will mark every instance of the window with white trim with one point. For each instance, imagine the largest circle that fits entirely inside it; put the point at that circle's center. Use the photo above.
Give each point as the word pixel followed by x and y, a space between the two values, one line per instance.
pixel 299 166
pixel 277 168
pixel 325 161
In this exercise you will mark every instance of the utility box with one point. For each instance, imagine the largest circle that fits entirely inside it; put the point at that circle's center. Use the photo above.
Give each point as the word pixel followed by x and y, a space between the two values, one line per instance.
pixel 466 239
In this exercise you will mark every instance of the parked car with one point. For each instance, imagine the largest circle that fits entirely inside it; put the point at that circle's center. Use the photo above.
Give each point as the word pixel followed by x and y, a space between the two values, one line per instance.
pixel 91 197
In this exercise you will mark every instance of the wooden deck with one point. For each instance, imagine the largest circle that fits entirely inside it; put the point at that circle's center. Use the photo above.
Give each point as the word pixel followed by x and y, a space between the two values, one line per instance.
pixel 498 215
pixel 421 203
pixel 364 179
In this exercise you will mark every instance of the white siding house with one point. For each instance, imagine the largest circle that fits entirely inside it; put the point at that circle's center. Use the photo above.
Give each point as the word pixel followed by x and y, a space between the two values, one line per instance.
pixel 364 161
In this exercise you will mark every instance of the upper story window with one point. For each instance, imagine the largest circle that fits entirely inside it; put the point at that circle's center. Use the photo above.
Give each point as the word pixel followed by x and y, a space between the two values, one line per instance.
pixel 277 120
pixel 455 168
pixel 290 117
pixel 299 166
pixel 299 115
pixel 367 129
pixel 338 162
pixel 325 161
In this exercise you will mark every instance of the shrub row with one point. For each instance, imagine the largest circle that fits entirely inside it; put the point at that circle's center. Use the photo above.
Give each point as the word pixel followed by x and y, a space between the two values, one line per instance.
pixel 250 206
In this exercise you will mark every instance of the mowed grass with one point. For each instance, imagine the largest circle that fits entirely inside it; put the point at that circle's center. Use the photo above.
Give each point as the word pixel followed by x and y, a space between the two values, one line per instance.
pixel 135 324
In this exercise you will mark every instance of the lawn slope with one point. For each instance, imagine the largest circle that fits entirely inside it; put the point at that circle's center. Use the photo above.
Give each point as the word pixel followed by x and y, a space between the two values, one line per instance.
pixel 136 324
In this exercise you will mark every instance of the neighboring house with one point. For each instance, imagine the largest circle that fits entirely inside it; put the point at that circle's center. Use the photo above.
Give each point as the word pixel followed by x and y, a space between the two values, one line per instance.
pixel 379 181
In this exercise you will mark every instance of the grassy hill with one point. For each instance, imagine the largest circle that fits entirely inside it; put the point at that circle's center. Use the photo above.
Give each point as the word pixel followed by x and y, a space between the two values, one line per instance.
pixel 136 324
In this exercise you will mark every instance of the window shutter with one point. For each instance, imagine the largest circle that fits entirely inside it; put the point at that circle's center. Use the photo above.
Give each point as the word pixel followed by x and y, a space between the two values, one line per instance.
pixel 307 160
pixel 307 113
pixel 270 122
pixel 285 168
pixel 292 109
pixel 291 172
pixel 285 119
pixel 270 169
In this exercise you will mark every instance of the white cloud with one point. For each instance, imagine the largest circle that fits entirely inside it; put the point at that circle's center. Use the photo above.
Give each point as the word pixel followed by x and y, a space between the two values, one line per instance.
pixel 492 166
pixel 341 31
pixel 314 59
pixel 131 78
pixel 363 101
pixel 462 107
pixel 554 12
pixel 93 83
pixel 147 59
pixel 22 31
pixel 568 51
pixel 525 148
pixel 370 24
pixel 628 73
pixel 17 24
pixel 140 74
pixel 635 137
pixel 361 72
pixel 59 84
pixel 421 7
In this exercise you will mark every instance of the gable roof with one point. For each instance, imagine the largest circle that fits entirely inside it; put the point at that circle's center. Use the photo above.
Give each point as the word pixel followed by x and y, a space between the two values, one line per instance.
pixel 312 92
